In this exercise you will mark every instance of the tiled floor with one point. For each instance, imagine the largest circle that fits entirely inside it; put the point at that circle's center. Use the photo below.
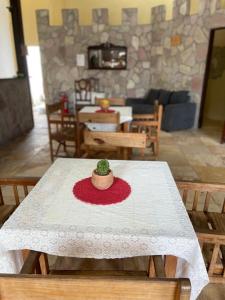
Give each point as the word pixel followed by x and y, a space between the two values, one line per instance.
pixel 191 155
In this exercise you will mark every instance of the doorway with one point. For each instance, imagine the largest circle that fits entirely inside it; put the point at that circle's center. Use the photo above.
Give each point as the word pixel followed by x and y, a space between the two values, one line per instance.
pixel 213 100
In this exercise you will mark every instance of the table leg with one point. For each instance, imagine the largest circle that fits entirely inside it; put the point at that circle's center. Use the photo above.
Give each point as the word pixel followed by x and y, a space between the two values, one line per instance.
pixel 170 266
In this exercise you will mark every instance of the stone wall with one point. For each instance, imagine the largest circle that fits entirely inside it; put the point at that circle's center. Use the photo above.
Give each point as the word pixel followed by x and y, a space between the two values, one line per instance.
pixel 16 117
pixel 153 60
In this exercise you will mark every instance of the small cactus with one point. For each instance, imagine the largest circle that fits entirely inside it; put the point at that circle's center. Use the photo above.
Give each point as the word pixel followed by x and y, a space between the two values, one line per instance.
pixel 103 168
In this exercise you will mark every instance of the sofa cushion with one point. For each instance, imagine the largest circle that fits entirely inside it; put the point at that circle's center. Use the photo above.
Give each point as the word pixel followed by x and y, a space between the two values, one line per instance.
pixel 164 97
pixel 179 97
pixel 134 101
pixel 151 96
pixel 142 109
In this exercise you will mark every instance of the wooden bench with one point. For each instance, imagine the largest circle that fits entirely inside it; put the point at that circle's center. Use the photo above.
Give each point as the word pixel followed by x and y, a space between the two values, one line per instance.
pixel 88 285
pixel 208 223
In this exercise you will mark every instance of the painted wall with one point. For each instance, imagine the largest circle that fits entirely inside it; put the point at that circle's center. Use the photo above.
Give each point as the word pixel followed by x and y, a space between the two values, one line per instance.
pixel 215 96
pixel 8 65
pixel 85 11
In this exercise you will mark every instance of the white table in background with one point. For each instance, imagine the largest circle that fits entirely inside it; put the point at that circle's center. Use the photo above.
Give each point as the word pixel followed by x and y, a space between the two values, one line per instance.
pixel 125 117
pixel 151 221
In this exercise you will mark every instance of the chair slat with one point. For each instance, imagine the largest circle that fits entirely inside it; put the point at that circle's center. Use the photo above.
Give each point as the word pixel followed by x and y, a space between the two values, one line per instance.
pixel 1 197
pixel 25 190
pixel 184 196
pixel 207 200
pixel 16 194
pixel 195 203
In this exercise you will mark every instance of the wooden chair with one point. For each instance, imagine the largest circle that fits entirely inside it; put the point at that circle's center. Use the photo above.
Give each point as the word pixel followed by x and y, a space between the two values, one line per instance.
pixel 103 118
pixel 61 129
pixel 112 101
pixel 208 224
pixel 83 89
pixel 88 285
pixel 115 140
pixel 151 125
pixel 15 184
pixel 96 118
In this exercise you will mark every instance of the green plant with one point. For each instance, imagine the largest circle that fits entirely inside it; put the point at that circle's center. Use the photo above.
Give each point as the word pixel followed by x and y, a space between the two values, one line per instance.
pixel 103 167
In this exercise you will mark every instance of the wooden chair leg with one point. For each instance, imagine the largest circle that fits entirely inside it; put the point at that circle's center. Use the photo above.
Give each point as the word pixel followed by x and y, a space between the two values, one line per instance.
pixel 44 264
pixel 151 267
pixel 170 266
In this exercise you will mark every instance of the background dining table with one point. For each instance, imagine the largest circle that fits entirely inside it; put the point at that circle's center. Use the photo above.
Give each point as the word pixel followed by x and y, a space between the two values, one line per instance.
pixel 152 220
pixel 125 117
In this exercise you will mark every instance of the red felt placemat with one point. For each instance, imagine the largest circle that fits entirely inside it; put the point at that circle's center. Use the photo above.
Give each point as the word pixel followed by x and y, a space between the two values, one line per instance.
pixel 105 111
pixel 86 192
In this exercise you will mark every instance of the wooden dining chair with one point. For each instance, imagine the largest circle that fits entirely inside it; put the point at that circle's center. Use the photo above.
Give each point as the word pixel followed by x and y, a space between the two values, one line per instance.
pixel 151 125
pixel 62 129
pixel 112 101
pixel 83 89
pixel 103 118
pixel 12 192
pixel 205 203
pixel 88 285
pixel 114 141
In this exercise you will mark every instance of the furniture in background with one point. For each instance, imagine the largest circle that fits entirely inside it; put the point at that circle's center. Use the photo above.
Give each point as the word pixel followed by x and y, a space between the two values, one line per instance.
pixel 223 134
pixel 178 110
pixel 14 197
pixel 62 129
pixel 83 90
pixel 151 125
pixel 86 90
pixel 112 101
pixel 209 225
pixel 99 122
pixel 34 283
pixel 125 117
pixel 120 141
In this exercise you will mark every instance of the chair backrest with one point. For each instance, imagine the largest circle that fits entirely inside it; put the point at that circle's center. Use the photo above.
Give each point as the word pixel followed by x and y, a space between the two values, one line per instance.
pixel 153 120
pixel 83 90
pixel 199 195
pixel 110 118
pixel 205 203
pixel 53 108
pixel 112 101
pixel 116 139
pixel 19 187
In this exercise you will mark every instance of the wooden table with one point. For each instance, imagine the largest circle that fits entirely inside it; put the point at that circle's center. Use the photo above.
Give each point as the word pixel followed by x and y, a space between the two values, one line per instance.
pixel 151 221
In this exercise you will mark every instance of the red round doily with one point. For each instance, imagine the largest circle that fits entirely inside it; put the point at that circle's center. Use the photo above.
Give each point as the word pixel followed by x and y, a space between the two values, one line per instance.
pixel 86 192
pixel 105 111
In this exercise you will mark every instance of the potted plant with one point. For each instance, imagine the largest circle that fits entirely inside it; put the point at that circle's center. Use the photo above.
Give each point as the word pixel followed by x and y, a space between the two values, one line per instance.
pixel 102 177
pixel 104 104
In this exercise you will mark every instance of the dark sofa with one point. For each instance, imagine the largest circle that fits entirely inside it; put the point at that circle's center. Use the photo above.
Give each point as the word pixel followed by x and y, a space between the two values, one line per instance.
pixel 178 110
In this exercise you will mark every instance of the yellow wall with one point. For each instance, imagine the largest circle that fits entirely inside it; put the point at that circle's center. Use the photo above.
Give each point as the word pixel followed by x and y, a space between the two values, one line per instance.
pixel 85 10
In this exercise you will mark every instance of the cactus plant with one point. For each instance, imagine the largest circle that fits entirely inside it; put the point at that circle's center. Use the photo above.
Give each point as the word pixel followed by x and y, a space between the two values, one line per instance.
pixel 103 168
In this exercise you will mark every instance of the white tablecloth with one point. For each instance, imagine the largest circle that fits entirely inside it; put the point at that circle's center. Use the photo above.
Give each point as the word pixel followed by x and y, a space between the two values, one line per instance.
pixel 125 116
pixel 151 221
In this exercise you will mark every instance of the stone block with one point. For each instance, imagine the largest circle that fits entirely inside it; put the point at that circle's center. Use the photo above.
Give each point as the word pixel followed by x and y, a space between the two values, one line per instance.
pixel 100 16
pixel 129 16
pixel 158 14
